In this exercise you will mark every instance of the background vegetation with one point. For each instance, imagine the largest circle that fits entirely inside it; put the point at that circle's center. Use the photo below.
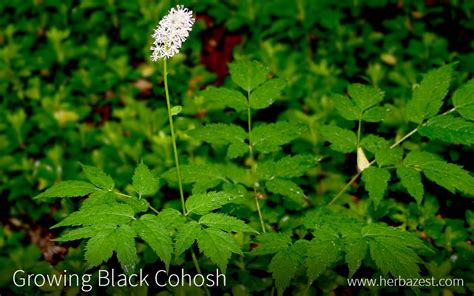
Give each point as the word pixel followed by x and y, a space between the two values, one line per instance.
pixel 77 86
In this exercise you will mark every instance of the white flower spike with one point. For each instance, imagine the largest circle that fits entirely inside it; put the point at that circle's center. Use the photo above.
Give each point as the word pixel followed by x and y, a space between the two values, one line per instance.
pixel 171 32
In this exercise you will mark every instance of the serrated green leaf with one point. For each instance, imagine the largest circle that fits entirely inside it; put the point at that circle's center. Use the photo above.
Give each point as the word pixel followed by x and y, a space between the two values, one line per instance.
pixel 223 134
pixel 346 107
pixel 100 247
pixel 225 97
pixel 83 232
pixel 375 114
pixel 323 252
pixel 341 140
pixel 449 129
pixel 111 214
pixel 171 219
pixel 149 228
pixel 283 267
pixel 287 189
pixel 204 203
pixel 373 143
pixel 185 236
pixel 68 189
pixel 98 177
pixel 356 250
pixel 138 205
pixel 99 198
pixel 225 222
pixel 448 175
pixel 388 156
pixel 248 74
pixel 286 167
pixel 429 95
pixel 463 100
pixel 267 138
pixel 144 182
pixel 411 180
pixel 271 242
pixel 204 176
pixel 266 94
pixel 365 96
pixel 376 183
pixel 217 246
pixel 124 237
pixel 393 250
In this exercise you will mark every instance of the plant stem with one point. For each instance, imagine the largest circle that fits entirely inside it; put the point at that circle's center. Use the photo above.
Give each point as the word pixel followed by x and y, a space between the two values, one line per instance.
pixel 352 180
pixel 129 196
pixel 176 160
pixel 173 138
pixel 253 164
pixel 198 269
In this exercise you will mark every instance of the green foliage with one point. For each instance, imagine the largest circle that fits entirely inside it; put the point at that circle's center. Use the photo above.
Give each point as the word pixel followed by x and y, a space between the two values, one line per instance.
pixel 68 189
pixel 223 134
pixel 448 175
pixel 248 74
pixel 267 138
pixel 144 182
pixel 225 222
pixel 449 129
pixel 204 203
pixel 341 140
pixel 225 97
pixel 463 100
pixel 429 95
pixel 98 177
pixel 376 183
pixel 217 246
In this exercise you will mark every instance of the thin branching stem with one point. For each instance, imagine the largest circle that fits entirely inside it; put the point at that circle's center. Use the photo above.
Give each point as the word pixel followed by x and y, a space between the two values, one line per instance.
pixel 173 137
pixel 397 143
pixel 253 162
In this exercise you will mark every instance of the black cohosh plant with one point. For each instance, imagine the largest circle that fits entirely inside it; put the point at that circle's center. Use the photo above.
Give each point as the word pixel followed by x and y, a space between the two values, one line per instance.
pixel 224 213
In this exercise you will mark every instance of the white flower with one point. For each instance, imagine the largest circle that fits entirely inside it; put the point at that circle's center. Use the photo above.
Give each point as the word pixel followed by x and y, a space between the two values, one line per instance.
pixel 171 32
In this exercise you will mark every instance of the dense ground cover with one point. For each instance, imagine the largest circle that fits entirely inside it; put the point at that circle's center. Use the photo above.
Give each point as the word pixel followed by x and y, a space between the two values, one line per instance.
pixel 335 86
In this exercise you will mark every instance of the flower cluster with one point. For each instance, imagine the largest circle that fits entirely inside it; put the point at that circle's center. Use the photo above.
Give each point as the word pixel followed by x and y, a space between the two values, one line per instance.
pixel 171 32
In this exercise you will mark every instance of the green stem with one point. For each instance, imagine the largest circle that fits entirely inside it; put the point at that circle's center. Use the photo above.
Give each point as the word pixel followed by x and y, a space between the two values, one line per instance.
pixel 358 130
pixel 253 165
pixel 173 138
pixel 176 160
pixel 129 196
pixel 198 269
